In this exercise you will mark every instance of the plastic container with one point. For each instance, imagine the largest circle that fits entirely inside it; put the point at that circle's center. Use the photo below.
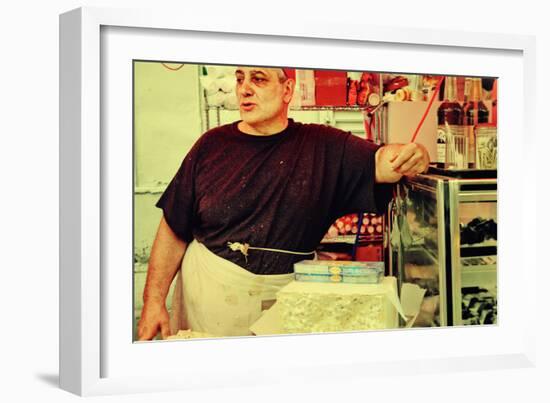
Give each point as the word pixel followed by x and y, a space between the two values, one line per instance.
pixel 373 278
pixel 457 149
pixel 339 271
pixel 486 147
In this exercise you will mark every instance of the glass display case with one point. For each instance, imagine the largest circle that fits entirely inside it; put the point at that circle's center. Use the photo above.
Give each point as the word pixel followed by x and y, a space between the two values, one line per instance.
pixel 444 239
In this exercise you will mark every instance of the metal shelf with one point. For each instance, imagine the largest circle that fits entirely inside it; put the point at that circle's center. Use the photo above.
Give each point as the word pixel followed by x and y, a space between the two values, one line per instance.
pixel 478 276
pixel 301 108
pixel 329 108
pixel 490 243
pixel 352 238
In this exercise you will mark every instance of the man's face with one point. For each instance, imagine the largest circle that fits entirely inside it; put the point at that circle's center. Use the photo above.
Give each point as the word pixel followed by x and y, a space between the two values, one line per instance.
pixel 263 98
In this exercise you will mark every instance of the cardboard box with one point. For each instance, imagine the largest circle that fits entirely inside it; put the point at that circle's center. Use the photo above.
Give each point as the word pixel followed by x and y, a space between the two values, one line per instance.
pixel 403 118
pixel 272 320
pixel 304 90
pixel 330 88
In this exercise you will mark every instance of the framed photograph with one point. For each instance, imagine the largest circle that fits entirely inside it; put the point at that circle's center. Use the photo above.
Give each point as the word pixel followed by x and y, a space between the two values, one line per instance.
pixel 114 166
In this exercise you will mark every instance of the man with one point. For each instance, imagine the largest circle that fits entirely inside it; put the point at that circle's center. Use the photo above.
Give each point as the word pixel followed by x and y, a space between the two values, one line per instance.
pixel 249 200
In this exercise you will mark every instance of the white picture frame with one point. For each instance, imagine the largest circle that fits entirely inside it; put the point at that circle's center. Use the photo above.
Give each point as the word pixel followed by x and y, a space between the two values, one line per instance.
pixel 85 309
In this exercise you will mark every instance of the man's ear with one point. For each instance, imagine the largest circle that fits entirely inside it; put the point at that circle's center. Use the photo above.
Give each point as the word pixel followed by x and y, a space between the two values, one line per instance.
pixel 289 90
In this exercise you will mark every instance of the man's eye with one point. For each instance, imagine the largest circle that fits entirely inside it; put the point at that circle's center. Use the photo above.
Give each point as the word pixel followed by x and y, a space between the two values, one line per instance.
pixel 239 80
pixel 258 79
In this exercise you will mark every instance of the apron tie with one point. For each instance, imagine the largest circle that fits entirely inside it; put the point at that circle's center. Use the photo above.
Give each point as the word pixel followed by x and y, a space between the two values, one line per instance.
pixel 244 247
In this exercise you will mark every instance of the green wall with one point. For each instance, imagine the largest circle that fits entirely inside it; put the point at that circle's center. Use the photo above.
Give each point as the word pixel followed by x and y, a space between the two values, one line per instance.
pixel 167 122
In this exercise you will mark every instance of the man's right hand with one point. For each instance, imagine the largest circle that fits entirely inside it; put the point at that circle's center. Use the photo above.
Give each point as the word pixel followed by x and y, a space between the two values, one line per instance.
pixel 154 317
pixel 166 257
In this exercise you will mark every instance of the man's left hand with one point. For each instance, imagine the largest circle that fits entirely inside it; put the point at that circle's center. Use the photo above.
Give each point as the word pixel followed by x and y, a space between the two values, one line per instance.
pixel 411 160
pixel 396 160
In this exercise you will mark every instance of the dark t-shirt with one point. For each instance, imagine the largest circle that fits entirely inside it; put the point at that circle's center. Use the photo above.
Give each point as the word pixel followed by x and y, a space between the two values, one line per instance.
pixel 281 191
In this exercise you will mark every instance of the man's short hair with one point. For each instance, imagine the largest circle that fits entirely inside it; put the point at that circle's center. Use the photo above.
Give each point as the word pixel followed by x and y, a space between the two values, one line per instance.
pixel 285 74
pixel 281 74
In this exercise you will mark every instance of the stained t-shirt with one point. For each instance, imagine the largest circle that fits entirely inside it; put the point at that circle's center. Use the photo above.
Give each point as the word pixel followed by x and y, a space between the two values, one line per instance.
pixel 281 191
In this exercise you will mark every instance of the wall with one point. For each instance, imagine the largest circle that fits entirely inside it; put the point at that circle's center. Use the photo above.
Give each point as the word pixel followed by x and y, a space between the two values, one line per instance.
pixel 166 124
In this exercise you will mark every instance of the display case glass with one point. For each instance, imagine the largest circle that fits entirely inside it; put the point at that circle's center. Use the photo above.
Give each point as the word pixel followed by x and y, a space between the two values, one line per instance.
pixel 444 239
pixel 476 274
pixel 417 223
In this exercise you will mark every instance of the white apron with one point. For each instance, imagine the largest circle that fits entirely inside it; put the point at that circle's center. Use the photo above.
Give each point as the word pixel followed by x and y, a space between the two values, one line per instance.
pixel 215 296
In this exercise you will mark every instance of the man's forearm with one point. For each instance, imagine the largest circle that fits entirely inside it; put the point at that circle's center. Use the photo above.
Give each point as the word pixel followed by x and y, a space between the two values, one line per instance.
pixel 159 278
pixel 165 259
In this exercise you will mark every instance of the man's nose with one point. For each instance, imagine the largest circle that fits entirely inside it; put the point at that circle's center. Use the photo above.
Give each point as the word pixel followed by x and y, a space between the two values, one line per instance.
pixel 245 88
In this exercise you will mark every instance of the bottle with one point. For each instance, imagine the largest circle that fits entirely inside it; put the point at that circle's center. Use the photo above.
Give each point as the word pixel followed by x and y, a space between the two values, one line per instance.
pixel 449 120
pixel 475 112
pixel 494 103
pixel 467 89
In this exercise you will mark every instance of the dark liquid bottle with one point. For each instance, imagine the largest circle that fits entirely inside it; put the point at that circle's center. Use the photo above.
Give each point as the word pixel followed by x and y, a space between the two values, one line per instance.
pixel 475 112
pixel 449 118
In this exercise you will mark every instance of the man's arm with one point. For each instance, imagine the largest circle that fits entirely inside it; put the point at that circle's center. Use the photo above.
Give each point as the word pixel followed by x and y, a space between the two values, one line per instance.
pixel 393 161
pixel 165 259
